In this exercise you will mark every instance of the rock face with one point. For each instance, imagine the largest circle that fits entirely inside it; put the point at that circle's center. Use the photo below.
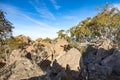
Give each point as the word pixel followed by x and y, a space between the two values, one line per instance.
pixel 66 66
pixel 100 63
pixel 20 67
pixel 71 58
pixel 15 55
pixel 24 39
pixel 59 46
pixel 38 51
pixel 24 69
pixel 113 61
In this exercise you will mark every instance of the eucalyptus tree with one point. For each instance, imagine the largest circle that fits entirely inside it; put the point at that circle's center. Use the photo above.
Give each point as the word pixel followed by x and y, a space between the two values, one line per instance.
pixel 61 34
pixel 5 27
pixel 106 24
pixel 5 33
pixel 81 31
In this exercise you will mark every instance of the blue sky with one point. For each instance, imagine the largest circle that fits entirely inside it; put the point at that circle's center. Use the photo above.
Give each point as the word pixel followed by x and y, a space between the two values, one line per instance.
pixel 43 18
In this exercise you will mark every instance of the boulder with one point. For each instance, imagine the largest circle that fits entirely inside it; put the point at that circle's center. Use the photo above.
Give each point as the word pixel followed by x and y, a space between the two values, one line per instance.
pixel 38 51
pixel 25 69
pixel 113 61
pixel 59 46
pixel 15 55
pixel 71 58
pixel 100 62
pixel 23 39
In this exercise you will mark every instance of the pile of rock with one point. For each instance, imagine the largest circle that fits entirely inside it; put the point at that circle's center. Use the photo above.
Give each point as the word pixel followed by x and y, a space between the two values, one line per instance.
pixel 101 62
pixel 66 67
pixel 98 62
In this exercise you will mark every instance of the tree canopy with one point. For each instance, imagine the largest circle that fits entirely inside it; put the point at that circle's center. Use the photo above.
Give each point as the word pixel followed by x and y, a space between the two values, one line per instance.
pixel 106 24
pixel 5 27
pixel 5 33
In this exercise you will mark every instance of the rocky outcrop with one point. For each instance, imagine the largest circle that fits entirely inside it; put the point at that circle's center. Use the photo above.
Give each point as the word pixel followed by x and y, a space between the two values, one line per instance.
pixel 24 69
pixel 113 61
pixel 38 51
pixel 66 67
pixel 59 46
pixel 15 55
pixel 71 58
pixel 99 63
pixel 23 39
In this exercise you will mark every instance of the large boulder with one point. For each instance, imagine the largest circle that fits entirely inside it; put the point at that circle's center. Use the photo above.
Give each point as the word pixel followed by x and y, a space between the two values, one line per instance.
pixel 38 51
pixel 71 58
pixel 100 62
pixel 66 67
pixel 15 55
pixel 25 69
pixel 113 61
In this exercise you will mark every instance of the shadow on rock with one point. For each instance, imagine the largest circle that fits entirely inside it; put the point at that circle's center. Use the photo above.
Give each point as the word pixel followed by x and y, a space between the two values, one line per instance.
pixel 100 64
pixel 57 72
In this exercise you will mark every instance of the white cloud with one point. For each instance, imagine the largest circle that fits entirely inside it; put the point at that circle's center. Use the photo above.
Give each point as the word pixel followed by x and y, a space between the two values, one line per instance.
pixel 37 29
pixel 42 10
pixel 56 6
pixel 26 25
pixel 45 13
pixel 117 5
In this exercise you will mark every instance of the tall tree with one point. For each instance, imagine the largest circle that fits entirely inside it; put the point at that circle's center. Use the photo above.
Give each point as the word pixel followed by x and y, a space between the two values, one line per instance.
pixel 5 27
pixel 106 24
pixel 61 34
pixel 5 32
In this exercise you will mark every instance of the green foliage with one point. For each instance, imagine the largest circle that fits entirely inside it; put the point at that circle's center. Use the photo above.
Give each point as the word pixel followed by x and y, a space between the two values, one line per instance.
pixel 81 31
pixel 118 37
pixel 106 24
pixel 5 27
pixel 5 33
pixel 61 34
pixel 74 44
pixel 47 40
pixel 83 49
pixel 64 34
pixel 14 43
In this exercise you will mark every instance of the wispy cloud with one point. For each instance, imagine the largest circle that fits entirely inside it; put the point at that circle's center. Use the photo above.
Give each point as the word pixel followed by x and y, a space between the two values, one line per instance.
pixel 27 25
pixel 117 5
pixel 45 13
pixel 56 6
pixel 42 10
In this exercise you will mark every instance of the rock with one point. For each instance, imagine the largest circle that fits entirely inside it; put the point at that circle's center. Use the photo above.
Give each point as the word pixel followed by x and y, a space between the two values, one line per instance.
pixel 71 58
pixel 106 44
pixel 15 55
pixel 59 46
pixel 2 64
pixel 38 51
pixel 24 69
pixel 113 61
pixel 23 39
pixel 39 40
pixel 98 72
pixel 99 63
pixel 65 67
